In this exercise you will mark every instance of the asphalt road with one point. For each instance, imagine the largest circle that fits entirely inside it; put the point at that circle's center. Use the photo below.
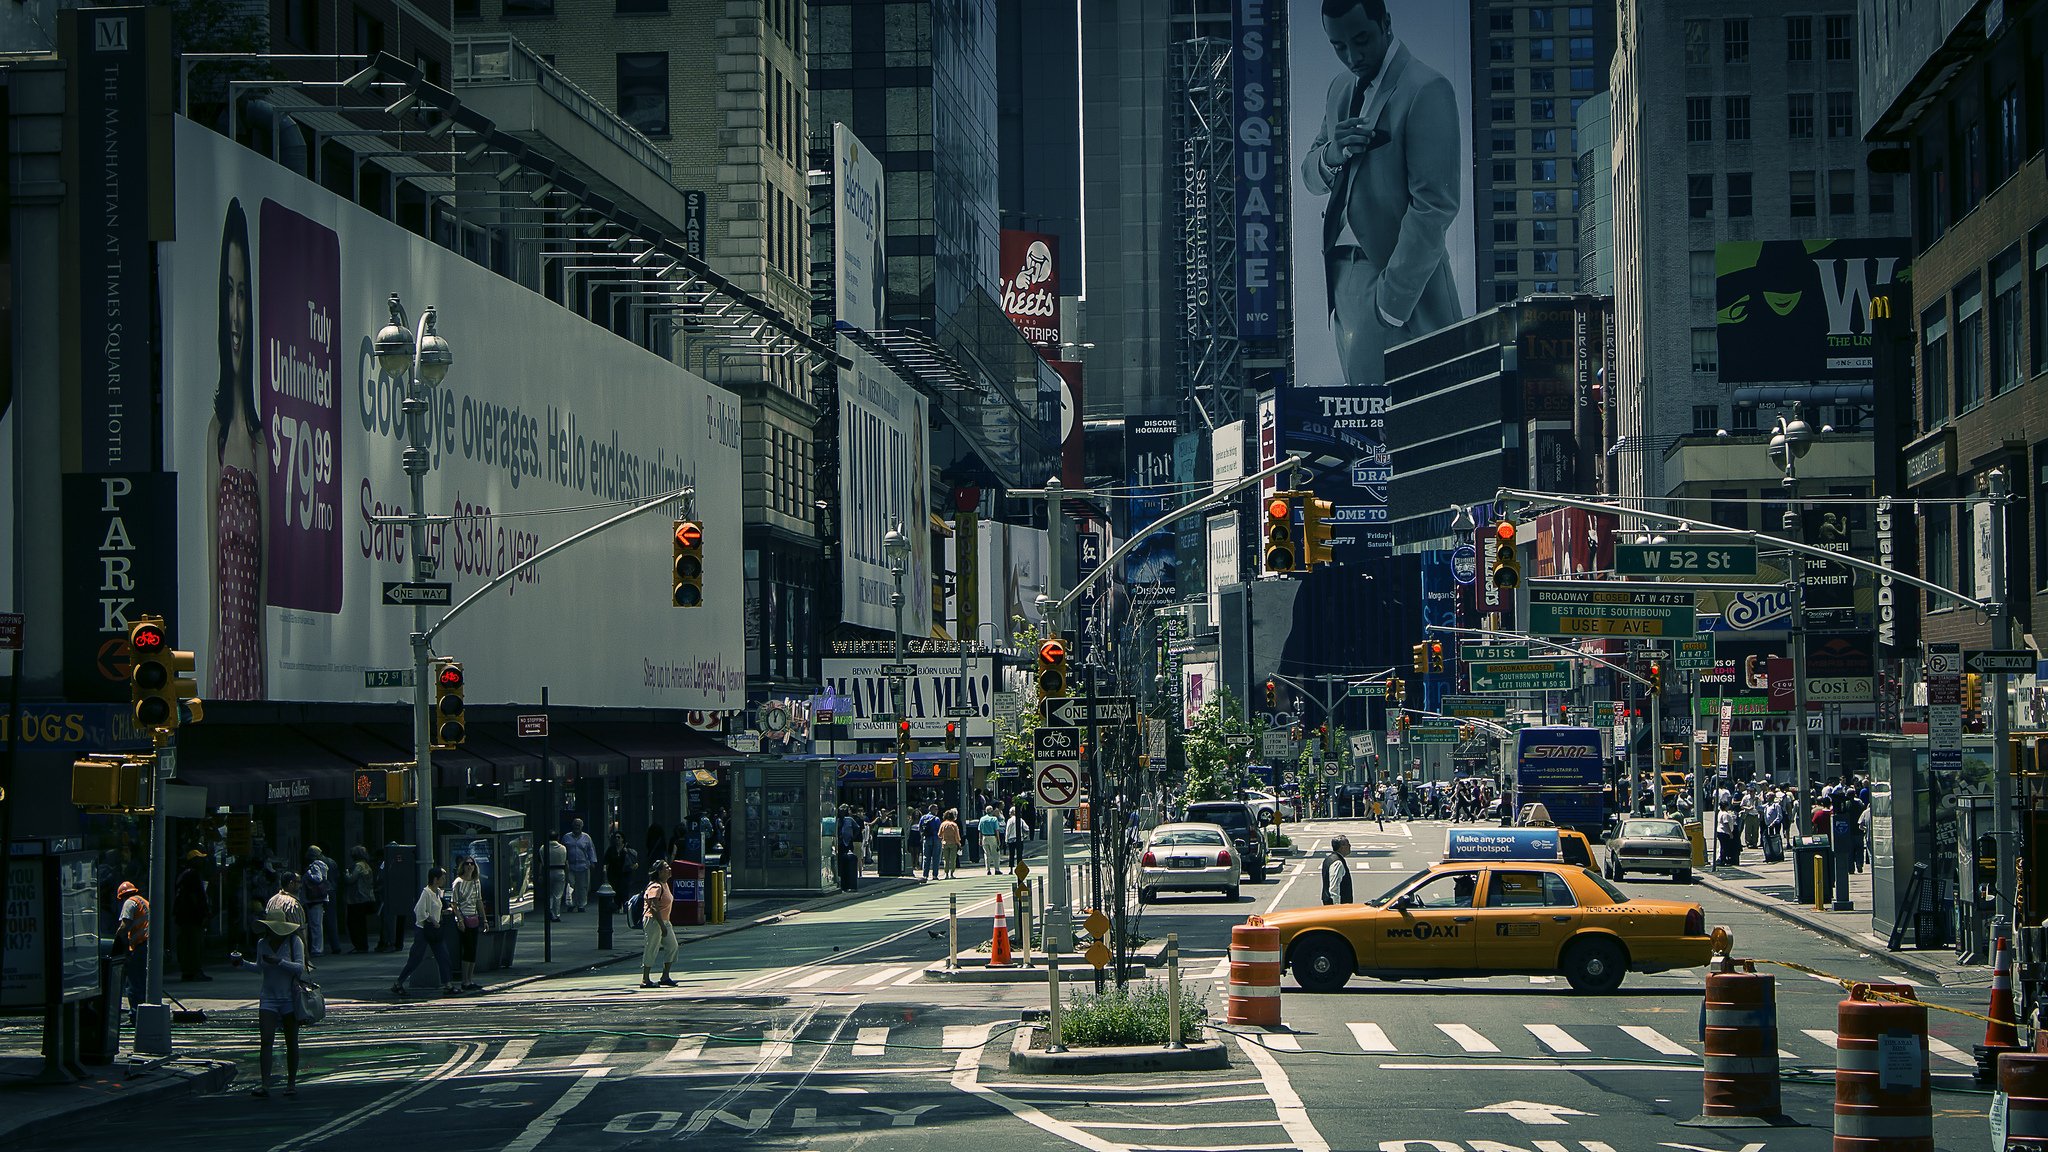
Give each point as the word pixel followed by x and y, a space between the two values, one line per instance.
pixel 818 1033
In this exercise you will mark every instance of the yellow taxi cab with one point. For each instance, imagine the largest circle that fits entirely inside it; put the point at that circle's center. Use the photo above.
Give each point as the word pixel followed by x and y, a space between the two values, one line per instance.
pixel 1502 902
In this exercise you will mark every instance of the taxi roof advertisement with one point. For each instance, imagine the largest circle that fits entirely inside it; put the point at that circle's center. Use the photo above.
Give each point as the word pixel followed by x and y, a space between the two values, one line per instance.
pixel 287 440
pixel 1500 844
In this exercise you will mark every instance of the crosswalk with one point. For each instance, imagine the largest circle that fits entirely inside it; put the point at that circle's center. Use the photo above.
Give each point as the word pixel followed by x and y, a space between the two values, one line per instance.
pixel 1549 1040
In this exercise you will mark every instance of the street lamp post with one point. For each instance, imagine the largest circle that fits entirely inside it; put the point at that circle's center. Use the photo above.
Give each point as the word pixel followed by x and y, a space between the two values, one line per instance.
pixel 896 546
pixel 1790 439
pixel 424 361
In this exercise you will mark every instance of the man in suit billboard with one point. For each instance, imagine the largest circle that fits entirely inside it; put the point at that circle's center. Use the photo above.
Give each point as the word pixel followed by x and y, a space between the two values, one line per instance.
pixel 1389 157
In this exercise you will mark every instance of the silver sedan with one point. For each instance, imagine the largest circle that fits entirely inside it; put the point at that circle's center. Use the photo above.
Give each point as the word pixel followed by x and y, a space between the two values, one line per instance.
pixel 1645 845
pixel 1187 858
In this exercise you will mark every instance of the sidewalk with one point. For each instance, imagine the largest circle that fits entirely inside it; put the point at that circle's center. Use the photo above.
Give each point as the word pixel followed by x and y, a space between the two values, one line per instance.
pixel 1770 887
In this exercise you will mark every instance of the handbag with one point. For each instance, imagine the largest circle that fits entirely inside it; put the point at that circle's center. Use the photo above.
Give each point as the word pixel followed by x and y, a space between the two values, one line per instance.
pixel 471 920
pixel 312 1003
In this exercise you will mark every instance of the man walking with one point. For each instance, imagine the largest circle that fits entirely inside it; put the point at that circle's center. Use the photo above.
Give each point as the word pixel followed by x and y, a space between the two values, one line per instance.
pixel 991 830
pixel 131 940
pixel 317 893
pixel 1337 873
pixel 658 903
pixel 928 839
pixel 1014 832
pixel 188 916
pixel 557 857
pixel 582 851
pixel 427 915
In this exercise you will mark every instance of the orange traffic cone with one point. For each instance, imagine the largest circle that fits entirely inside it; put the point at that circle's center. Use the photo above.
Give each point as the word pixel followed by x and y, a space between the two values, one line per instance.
pixel 999 948
pixel 1999 1031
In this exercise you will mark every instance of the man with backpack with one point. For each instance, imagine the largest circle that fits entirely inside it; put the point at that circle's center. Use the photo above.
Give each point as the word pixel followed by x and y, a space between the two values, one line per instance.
pixel 322 934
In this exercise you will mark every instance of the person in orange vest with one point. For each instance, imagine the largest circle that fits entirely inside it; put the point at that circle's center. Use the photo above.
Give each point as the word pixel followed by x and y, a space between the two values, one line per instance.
pixel 131 940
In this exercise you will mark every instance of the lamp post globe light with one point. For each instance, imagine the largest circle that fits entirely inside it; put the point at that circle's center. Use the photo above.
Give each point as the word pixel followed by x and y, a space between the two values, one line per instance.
pixel 896 546
pixel 422 360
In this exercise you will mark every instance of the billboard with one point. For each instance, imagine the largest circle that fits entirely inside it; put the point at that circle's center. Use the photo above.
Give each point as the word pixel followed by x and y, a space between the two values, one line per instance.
pixel 860 268
pixel 287 439
pixel 1258 70
pixel 927 696
pixel 1031 287
pixel 1148 453
pixel 1804 310
pixel 1382 234
pixel 884 460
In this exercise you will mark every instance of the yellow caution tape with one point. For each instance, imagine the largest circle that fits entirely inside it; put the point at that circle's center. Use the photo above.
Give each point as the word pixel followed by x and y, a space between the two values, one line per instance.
pixel 1863 989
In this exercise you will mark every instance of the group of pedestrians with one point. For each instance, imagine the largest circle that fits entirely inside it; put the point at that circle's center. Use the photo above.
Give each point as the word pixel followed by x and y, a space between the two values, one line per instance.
pixel 1766 815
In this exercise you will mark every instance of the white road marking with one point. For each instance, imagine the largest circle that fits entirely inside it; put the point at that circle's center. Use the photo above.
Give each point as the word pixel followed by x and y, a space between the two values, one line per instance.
pixel 687 1048
pixel 1142 1127
pixel 1542 979
pixel 1281 893
pixel 818 977
pixel 508 1058
pixel 884 975
pixel 1467 1038
pixel 1157 1103
pixel 1293 1114
pixel 595 1054
pixel 1821 1034
pixel 1556 1039
pixel 1949 1051
pixel 914 976
pixel 1371 1038
pixel 776 1045
pixel 957 1037
pixel 544 1124
pixel 1222 971
pixel 1280 1041
pixel 1114 1089
pixel 1656 1041
pixel 871 1041
pixel 1536 1066
pixel 450 1068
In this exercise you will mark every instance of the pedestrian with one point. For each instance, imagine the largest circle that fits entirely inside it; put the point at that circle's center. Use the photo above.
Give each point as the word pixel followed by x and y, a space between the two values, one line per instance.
pixel 390 905
pixel 1015 830
pixel 658 902
pixel 991 829
pixel 1774 827
pixel 427 913
pixel 1752 820
pixel 471 918
pixel 281 960
pixel 618 865
pixel 1337 873
pixel 131 940
pixel 847 837
pixel 582 858
pixel 556 854
pixel 1726 826
pixel 317 894
pixel 285 902
pixel 188 916
pixel 949 841
pixel 928 840
pixel 359 891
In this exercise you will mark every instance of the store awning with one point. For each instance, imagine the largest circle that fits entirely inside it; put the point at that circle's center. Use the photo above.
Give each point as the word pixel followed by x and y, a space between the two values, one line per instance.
pixel 242 766
pixel 656 747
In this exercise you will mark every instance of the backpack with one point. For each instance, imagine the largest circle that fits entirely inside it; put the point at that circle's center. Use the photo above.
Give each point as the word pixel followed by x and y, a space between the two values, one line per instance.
pixel 636 909
pixel 318 890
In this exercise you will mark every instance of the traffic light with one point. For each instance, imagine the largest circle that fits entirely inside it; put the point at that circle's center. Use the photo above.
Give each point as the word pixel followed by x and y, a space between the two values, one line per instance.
pixel 1280 553
pixel 1656 677
pixel 451 724
pixel 1421 654
pixel 1466 732
pixel 1272 695
pixel 688 571
pixel 159 678
pixel 113 783
pixel 903 737
pixel 1052 669
pixel 1507 567
pixel 1973 694
pixel 1674 754
pixel 385 786
pixel 1401 722
pixel 952 736
pixel 1397 691
pixel 1436 656
pixel 1316 532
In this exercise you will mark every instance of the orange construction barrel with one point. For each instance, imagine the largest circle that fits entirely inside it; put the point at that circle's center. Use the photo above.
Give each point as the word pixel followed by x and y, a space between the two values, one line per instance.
pixel 1254 975
pixel 1742 1045
pixel 1882 1092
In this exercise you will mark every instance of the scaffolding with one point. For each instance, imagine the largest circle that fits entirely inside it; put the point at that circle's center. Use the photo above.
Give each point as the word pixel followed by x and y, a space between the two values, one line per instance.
pixel 1202 190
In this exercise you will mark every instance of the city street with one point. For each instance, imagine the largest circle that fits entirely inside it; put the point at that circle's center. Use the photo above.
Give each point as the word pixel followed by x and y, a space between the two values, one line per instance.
pixel 819 1032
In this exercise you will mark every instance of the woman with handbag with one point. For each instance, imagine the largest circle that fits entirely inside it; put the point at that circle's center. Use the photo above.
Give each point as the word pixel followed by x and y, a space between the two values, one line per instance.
pixel 281 958
pixel 467 894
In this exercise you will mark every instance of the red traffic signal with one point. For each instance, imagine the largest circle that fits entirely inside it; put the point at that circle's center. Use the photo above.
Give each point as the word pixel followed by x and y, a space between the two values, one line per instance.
pixel 148 639
pixel 903 727
pixel 450 676
pixel 1052 651
pixel 1505 532
pixel 689 534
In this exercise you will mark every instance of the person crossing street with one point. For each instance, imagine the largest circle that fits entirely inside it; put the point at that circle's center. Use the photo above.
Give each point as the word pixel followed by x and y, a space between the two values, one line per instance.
pixel 659 903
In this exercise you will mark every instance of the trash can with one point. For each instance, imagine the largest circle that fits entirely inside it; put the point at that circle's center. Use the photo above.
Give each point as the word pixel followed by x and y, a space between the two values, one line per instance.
pixel 686 882
pixel 1804 851
pixel 714 897
pixel 888 855
pixel 99 1018
pixel 1697 833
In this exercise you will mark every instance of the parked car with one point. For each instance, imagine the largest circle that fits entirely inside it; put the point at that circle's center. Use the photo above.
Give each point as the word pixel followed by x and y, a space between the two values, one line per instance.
pixel 1264 804
pixel 1187 858
pixel 1246 834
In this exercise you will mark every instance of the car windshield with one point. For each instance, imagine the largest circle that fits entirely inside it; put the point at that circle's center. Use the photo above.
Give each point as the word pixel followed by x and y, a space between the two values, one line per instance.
pixel 1380 901
pixel 1187 836
pixel 1668 828
pixel 1230 817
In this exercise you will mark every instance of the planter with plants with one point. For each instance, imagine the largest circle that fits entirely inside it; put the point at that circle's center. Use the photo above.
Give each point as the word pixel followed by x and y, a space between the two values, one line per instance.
pixel 1278 843
pixel 1121 1030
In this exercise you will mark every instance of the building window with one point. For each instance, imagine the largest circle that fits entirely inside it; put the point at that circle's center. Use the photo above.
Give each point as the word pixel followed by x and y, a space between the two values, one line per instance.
pixel 1503 291
pixel 1580 18
pixel 643 91
pixel 1941 555
pixel 2007 151
pixel 1503 171
pixel 1973 166
pixel 1543 231
pixel 2041 515
pixel 641 7
pixel 2006 324
pixel 1699 196
pixel 1698 37
pixel 1706 350
pixel 1501 20
pixel 1507 261
pixel 1502 80
pixel 1544 49
pixel 1798 38
pixel 1581 47
pixel 1799 115
pixel 1541 19
pixel 1503 111
pixel 1706 417
pixel 1543 171
pixel 1506 231
pixel 1969 343
pixel 1584 80
pixel 1743 419
pixel 1934 367
pixel 1543 286
pixel 1881 200
pixel 1842 192
pixel 1543 202
pixel 1699 119
pixel 1545 109
pixel 1738 117
pixel 463 9
pixel 1545 261
pixel 369 34
pixel 1500 51
pixel 1735 40
pixel 2037 293
pixel 1841 39
pixel 530 8
pixel 1543 140
pixel 1503 203
pixel 1542 80
pixel 1503 140
pixel 1841 115
pixel 1702 274
pixel 1802 195
pixel 1728 507
pixel 1740 195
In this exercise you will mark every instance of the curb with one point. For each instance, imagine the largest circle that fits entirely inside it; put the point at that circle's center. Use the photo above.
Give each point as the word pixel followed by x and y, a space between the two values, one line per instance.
pixel 1939 975
pixel 189 1077
pixel 1201 1056
pixel 983 974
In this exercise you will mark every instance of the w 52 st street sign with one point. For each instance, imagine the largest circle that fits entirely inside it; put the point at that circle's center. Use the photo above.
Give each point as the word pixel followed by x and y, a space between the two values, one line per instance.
pixel 1685 559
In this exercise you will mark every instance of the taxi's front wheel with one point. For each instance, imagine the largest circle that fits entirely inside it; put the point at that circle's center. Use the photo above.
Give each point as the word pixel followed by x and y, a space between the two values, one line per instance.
pixel 1322 964
pixel 1595 966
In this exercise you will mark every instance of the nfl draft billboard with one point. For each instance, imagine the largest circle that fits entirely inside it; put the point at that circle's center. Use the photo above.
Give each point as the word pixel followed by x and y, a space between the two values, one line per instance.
pixel 287 438
pixel 1805 310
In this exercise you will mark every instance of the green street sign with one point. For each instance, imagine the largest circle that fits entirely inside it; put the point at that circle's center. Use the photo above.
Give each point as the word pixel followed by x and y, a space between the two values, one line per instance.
pixel 1694 655
pixel 1376 688
pixel 1471 652
pixel 1640 613
pixel 1475 707
pixel 1440 732
pixel 1685 559
pixel 1520 676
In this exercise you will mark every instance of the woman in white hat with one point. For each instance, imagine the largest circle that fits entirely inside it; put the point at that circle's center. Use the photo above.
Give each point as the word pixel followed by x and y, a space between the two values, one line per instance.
pixel 281 958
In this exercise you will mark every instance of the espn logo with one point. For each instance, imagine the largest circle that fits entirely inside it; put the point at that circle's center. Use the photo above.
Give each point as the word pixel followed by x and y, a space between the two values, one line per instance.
pixel 110 34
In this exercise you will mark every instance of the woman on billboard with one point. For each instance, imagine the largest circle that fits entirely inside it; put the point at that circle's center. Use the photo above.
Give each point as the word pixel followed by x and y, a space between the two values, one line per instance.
pixel 236 502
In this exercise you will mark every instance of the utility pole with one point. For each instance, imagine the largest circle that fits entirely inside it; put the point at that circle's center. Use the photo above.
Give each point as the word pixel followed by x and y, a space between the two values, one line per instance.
pixel 1095 804
pixel 1058 904
pixel 2003 828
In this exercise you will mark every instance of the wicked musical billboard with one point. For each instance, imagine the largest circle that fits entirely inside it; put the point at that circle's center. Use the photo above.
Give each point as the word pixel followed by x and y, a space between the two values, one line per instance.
pixel 1805 310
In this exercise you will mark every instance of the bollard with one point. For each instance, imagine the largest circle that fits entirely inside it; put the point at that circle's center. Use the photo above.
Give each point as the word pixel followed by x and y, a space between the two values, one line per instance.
pixel 1254 975
pixel 1882 1089
pixel 2023 1083
pixel 1173 991
pixel 1820 899
pixel 605 899
pixel 1740 1085
pixel 1053 1040
pixel 952 931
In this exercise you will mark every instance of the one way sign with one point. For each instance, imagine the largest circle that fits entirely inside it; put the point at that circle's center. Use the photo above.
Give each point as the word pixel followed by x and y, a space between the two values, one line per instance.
pixel 2010 661
pixel 421 592
pixel 1073 710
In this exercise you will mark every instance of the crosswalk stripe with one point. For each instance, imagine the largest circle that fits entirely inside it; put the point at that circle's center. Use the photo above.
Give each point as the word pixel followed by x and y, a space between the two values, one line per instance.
pixel 510 1056
pixel 879 977
pixel 776 1046
pixel 1554 1038
pixel 1222 971
pixel 1280 1042
pixel 1371 1038
pixel 595 1054
pixel 1467 1038
pixel 1821 1034
pixel 1949 1051
pixel 687 1048
pixel 817 977
pixel 957 1037
pixel 915 976
pixel 1656 1041
pixel 870 1041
